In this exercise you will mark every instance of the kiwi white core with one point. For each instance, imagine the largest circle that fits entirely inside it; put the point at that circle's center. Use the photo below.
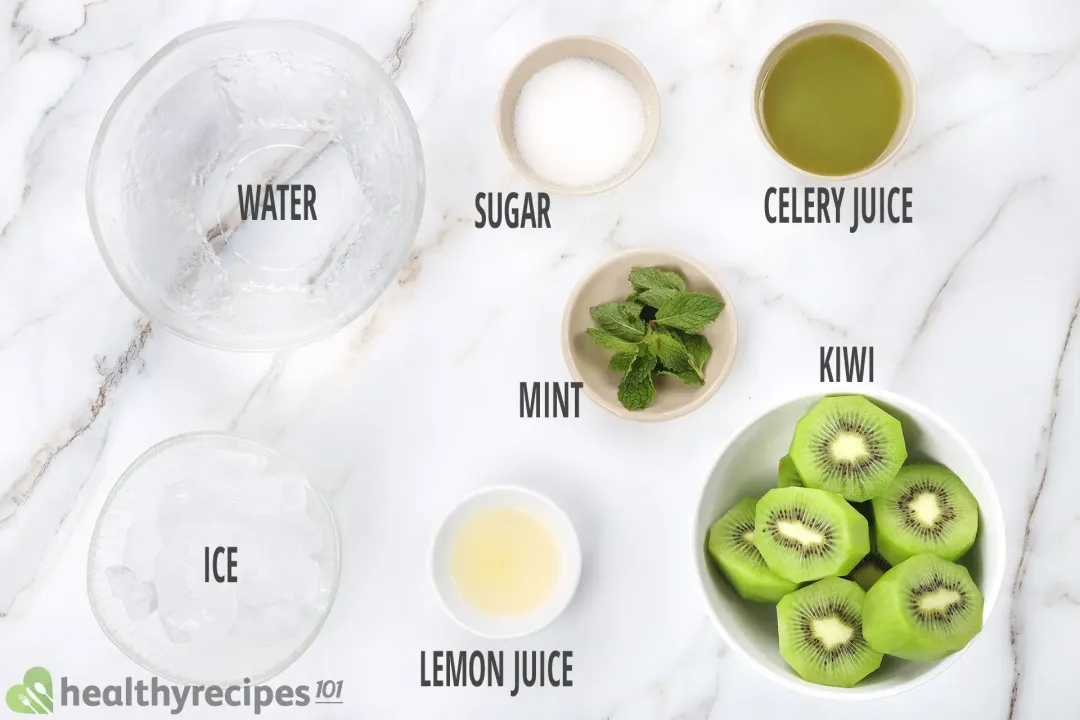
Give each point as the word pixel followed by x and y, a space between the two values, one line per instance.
pixel 748 537
pixel 831 632
pixel 938 600
pixel 926 509
pixel 799 532
pixel 848 448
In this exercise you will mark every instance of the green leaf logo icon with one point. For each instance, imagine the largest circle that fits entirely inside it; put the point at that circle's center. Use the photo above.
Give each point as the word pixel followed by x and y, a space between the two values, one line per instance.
pixel 34 696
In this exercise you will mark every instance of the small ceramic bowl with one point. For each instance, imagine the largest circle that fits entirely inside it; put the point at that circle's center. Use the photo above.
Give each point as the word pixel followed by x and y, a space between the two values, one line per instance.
pixel 747 468
pixel 591 48
pixel 543 509
pixel 609 282
pixel 872 38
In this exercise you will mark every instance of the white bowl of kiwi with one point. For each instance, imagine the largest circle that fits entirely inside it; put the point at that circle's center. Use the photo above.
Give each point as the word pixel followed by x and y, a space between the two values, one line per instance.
pixel 849 546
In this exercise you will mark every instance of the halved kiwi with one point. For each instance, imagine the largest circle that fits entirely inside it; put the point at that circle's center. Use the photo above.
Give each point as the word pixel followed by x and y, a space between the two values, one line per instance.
pixel 821 634
pixel 870 568
pixel 788 475
pixel 731 545
pixel 923 609
pixel 926 509
pixel 807 534
pixel 849 446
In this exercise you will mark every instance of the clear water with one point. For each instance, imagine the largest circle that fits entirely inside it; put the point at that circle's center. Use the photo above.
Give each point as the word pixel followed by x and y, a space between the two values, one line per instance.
pixel 253 118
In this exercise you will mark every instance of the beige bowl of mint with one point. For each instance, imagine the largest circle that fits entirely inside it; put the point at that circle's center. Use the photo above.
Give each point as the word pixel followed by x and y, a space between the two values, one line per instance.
pixel 651 334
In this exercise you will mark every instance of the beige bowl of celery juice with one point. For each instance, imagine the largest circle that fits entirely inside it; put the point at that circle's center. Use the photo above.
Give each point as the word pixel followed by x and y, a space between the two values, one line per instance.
pixel 834 99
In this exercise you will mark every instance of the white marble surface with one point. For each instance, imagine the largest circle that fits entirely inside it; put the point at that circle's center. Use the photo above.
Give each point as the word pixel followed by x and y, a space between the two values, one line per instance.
pixel 970 310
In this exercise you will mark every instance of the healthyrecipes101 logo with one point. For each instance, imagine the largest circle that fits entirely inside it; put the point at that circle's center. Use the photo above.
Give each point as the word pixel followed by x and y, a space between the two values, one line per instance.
pixel 34 695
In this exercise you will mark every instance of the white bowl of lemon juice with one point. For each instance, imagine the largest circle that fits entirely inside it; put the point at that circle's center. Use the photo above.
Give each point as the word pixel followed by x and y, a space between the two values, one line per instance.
pixel 506 562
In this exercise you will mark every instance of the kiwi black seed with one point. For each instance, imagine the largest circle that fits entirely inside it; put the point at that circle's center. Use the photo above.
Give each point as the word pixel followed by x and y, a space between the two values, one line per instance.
pixel 849 446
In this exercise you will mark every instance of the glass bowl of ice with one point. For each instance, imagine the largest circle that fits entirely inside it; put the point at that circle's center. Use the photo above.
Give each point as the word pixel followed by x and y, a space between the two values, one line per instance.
pixel 257 184
pixel 214 560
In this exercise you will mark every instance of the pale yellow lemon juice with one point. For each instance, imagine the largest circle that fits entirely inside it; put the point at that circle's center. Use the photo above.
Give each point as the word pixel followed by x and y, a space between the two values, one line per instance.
pixel 505 561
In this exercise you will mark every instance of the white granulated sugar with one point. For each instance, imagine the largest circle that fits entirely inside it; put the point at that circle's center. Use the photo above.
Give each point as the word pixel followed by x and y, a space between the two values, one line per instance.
pixel 578 122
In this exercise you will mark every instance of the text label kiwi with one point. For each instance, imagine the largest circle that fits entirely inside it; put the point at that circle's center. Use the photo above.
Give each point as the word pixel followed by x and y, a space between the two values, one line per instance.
pixel 846 364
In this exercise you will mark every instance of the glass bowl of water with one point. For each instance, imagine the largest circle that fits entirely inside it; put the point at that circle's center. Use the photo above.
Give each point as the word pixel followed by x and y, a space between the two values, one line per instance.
pixel 214 560
pixel 257 184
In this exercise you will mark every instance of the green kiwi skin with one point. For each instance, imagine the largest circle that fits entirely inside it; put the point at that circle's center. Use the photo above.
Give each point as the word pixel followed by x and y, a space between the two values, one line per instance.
pixel 815 475
pixel 796 644
pixel 897 542
pixel 850 529
pixel 788 476
pixel 744 568
pixel 890 626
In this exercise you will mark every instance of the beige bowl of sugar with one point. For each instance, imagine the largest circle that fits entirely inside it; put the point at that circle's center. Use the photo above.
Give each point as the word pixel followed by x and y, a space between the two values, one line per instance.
pixel 578 115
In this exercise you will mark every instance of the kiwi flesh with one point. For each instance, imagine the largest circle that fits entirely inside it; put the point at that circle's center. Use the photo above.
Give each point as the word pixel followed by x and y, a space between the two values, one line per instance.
pixel 923 609
pixel 870 569
pixel 821 636
pixel 731 545
pixel 926 509
pixel 805 534
pixel 788 475
pixel 849 446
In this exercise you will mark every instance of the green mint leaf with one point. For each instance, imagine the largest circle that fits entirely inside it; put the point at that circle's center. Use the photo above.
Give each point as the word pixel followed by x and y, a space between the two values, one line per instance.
pixel 619 321
pixel 689 377
pixel 699 348
pixel 606 340
pixel 636 391
pixel 631 297
pixel 633 307
pixel 669 350
pixel 689 312
pixel 621 362
pixel 656 297
pixel 648 278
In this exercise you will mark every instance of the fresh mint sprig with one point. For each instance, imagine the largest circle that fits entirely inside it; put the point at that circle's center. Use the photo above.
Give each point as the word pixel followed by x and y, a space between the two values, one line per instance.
pixel 655 331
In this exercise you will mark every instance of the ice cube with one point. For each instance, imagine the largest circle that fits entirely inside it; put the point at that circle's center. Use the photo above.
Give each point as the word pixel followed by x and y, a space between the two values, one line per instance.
pixel 271 624
pixel 141 549
pixel 122 581
pixel 206 614
pixel 294 492
pixel 142 603
pixel 178 504
pixel 173 629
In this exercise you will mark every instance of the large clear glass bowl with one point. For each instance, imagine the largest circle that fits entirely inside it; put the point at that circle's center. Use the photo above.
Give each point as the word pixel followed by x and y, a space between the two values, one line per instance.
pixel 222 113
pixel 159 600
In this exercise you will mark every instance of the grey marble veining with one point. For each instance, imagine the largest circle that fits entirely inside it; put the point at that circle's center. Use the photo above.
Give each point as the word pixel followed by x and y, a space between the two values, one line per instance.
pixel 972 310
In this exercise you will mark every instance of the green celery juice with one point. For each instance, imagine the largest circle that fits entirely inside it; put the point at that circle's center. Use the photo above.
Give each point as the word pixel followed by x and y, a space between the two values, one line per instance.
pixel 831 105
